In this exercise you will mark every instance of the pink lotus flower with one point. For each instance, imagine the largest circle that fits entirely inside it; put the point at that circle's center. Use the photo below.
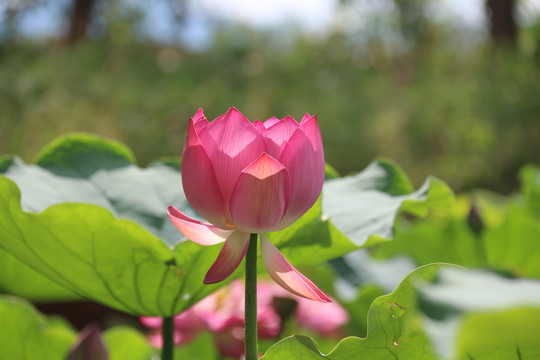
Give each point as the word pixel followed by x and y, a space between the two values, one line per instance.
pixel 224 309
pixel 248 178
pixel 186 327
pixel 222 313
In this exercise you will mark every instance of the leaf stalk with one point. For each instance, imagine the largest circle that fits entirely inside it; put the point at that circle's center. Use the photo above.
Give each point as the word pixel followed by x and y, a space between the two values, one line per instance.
pixel 250 323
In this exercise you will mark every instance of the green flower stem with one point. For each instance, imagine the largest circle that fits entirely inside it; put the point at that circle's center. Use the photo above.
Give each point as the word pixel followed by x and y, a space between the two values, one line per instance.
pixel 250 324
pixel 167 332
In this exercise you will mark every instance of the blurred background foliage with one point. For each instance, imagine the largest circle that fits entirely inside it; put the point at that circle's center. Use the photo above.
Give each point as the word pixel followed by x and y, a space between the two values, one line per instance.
pixel 441 98
pixel 397 78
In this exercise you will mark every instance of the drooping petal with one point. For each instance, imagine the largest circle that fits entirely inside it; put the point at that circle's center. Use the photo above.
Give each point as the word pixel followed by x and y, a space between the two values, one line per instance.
pixel 273 120
pixel 257 124
pixel 277 136
pixel 304 159
pixel 283 273
pixel 199 120
pixel 260 196
pixel 195 230
pixel 232 143
pixel 199 180
pixel 229 257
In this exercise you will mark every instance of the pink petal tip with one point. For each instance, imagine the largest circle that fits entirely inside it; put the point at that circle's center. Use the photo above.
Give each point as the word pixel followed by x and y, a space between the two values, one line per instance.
pixel 285 275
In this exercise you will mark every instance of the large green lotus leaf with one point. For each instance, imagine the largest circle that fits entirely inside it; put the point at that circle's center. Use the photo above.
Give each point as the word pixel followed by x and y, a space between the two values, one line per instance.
pixel 86 249
pixel 364 206
pixel 503 238
pixel 82 168
pixel 358 211
pixel 112 261
pixel 312 239
pixel 394 330
pixel 27 335
pixel 21 280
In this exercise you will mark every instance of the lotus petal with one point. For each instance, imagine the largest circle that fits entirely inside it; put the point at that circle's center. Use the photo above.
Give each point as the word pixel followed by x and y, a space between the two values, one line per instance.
pixel 232 143
pixel 199 180
pixel 257 124
pixel 273 120
pixel 277 135
pixel 283 273
pixel 229 257
pixel 197 231
pixel 260 196
pixel 199 120
pixel 304 159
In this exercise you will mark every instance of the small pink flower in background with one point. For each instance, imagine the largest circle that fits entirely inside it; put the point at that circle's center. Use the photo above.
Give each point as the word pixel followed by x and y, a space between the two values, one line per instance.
pixel 248 178
pixel 325 320
pixel 222 313
pixel 225 309
pixel 187 326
